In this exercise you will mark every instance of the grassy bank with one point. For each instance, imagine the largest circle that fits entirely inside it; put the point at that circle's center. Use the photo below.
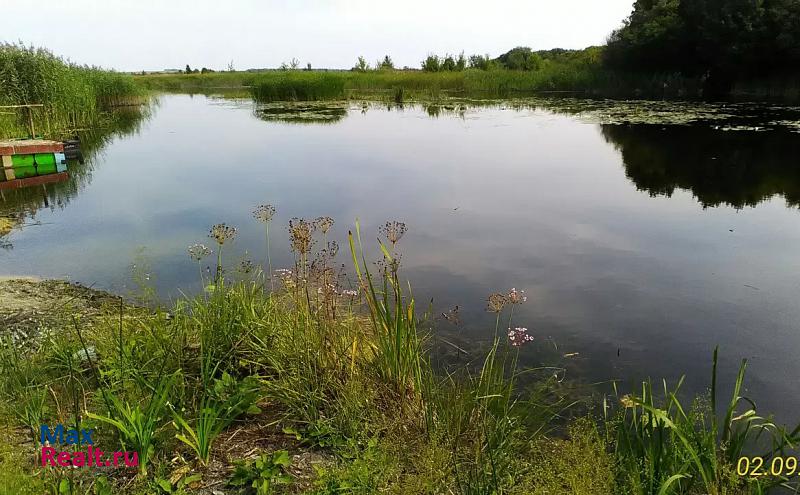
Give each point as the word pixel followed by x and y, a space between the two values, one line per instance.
pixel 73 96
pixel 312 381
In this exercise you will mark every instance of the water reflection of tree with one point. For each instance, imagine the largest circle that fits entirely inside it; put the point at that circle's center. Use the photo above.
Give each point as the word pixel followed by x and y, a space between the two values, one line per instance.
pixel 737 168
pixel 19 206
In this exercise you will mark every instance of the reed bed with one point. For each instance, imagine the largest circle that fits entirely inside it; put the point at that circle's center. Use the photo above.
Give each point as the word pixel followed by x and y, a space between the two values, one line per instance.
pixel 298 86
pixel 293 85
pixel 73 96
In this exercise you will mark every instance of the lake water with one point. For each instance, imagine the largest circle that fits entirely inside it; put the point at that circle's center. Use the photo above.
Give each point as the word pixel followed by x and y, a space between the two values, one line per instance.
pixel 643 234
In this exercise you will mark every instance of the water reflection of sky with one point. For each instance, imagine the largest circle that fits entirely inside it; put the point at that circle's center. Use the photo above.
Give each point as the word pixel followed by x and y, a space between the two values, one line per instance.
pixel 499 198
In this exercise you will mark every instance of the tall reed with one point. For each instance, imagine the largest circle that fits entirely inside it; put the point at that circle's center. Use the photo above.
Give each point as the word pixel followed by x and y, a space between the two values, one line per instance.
pixel 73 96
pixel 399 346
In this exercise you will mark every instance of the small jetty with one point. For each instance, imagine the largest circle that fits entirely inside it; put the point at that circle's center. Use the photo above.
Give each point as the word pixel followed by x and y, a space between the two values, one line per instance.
pixel 31 162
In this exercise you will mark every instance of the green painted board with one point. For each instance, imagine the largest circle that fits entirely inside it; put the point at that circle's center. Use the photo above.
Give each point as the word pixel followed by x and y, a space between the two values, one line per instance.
pixel 44 169
pixel 22 161
pixel 45 159
pixel 24 172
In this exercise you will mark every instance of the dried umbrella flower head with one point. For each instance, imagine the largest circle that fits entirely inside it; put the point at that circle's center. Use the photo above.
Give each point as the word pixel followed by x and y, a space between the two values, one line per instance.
pixel 246 266
pixel 393 231
pixel 516 296
pixel 350 292
pixel 388 265
pixel 221 233
pixel 519 336
pixel 333 249
pixel 324 224
pixel 264 213
pixel 301 233
pixel 198 251
pixel 496 302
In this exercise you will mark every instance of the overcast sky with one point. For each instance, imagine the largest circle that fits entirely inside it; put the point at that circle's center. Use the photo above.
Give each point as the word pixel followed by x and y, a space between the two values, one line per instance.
pixel 157 34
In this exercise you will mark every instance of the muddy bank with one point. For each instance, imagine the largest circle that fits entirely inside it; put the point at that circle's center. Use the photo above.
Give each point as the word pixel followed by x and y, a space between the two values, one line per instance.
pixel 29 307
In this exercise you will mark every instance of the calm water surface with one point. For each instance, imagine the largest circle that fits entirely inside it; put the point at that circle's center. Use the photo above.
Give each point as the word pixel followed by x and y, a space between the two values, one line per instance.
pixel 641 241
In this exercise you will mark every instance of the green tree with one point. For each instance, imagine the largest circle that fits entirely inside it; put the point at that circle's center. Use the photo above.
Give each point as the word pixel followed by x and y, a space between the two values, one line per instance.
pixel 432 63
pixel 521 58
pixel 482 62
pixel 781 24
pixel 725 37
pixel 461 62
pixel 386 63
pixel 652 38
pixel 361 65
pixel 188 69
pixel 719 40
pixel 449 63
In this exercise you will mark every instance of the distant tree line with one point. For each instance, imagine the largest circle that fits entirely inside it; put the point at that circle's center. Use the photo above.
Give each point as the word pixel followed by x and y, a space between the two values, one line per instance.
pixel 519 58
pixel 362 65
pixel 189 70
pixel 719 40
pixel 699 43
pixel 448 63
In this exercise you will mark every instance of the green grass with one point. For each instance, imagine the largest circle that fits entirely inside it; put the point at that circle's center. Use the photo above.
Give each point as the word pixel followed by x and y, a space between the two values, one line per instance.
pixel 579 78
pixel 555 77
pixel 73 96
pixel 347 376
pixel 182 82
pixel 668 447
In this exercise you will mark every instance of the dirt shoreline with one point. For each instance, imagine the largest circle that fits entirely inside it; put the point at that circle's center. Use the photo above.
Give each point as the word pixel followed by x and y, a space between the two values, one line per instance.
pixel 29 305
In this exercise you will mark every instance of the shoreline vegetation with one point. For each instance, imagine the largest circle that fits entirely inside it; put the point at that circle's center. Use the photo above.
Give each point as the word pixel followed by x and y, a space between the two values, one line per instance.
pixel 399 85
pixel 641 60
pixel 79 97
pixel 318 380
pixel 74 97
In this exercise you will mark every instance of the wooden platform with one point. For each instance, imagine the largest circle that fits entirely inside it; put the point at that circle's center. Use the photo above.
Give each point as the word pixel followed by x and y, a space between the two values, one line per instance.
pixel 35 181
pixel 30 147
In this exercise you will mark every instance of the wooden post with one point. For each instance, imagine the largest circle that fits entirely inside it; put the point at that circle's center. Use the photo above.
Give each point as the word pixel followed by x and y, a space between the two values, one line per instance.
pixel 29 108
pixel 30 122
